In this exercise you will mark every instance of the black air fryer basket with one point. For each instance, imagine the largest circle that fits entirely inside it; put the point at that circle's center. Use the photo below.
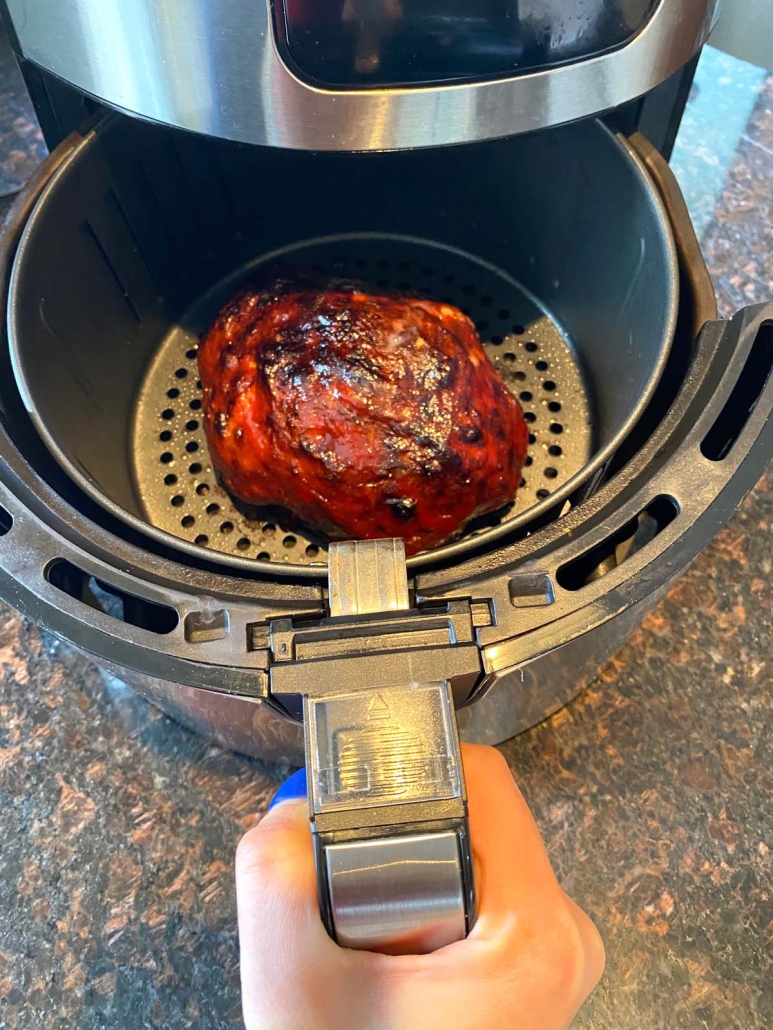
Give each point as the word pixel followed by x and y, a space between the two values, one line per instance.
pixel 142 236
pixel 570 250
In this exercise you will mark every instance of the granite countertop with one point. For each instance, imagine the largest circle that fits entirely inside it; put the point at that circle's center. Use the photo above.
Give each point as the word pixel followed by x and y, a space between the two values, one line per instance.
pixel 653 790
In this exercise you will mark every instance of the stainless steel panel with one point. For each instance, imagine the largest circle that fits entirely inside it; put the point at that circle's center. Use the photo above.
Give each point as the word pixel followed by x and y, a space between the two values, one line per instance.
pixel 406 891
pixel 212 66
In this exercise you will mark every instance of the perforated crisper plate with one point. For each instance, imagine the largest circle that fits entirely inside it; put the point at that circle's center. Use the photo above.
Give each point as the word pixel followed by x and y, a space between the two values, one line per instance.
pixel 174 477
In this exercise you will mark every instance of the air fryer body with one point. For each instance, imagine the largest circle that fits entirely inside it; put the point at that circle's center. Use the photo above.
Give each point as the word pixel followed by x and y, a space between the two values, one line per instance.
pixel 361 74
pixel 529 617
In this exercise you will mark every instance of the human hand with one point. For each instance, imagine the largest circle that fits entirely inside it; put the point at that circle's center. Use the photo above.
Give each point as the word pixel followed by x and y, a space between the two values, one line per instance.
pixel 530 961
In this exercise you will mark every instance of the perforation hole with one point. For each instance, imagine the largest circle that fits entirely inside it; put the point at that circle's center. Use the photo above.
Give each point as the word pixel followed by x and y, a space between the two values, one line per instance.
pixel 6 521
pixel 202 489
pixel 177 501
pixel 195 468
pixel 187 521
pixel 202 540
pixel 531 347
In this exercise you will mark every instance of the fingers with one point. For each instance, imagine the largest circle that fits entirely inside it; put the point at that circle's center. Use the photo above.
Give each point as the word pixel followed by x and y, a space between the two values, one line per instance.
pixel 533 939
pixel 285 951
pixel 512 865
pixel 533 956
pixel 275 878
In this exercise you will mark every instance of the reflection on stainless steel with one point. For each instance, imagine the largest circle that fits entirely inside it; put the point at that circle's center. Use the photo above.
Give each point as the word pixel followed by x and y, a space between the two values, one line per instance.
pixel 250 727
pixel 405 892
pixel 214 68
pixel 518 697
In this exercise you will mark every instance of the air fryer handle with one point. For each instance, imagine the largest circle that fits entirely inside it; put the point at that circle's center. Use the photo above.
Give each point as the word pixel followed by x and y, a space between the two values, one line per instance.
pixel 386 792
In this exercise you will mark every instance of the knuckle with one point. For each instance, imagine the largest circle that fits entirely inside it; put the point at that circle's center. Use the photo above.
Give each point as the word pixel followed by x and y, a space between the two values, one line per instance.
pixel 259 852
pixel 566 953
pixel 595 953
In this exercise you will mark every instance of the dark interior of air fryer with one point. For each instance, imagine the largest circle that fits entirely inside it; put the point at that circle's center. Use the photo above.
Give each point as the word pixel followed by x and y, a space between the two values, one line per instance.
pixel 553 244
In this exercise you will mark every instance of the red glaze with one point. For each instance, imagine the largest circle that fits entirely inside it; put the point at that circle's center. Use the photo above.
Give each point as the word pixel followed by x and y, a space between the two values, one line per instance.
pixel 367 416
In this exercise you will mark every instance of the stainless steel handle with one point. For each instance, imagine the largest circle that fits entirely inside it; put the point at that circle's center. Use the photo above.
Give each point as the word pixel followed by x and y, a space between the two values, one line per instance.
pixel 387 800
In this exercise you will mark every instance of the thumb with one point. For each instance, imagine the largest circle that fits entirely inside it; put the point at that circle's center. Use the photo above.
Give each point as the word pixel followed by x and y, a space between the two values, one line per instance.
pixel 292 972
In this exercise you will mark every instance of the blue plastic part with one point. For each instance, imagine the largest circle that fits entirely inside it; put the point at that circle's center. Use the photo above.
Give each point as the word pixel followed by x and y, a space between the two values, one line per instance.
pixel 293 789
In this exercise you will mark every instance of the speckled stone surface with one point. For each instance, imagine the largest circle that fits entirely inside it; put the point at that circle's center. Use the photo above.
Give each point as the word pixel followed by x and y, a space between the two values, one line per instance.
pixel 21 142
pixel 654 790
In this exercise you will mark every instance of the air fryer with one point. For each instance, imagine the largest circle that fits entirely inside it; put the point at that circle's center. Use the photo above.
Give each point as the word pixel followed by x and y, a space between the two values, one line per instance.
pixel 571 250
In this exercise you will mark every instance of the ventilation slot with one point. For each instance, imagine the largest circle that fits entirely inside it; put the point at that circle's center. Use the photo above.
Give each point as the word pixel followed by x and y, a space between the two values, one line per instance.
pixel 620 546
pixel 136 611
pixel 6 521
pixel 741 403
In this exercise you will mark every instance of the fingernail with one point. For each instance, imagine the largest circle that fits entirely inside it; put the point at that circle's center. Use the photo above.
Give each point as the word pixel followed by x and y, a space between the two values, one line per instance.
pixel 293 788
